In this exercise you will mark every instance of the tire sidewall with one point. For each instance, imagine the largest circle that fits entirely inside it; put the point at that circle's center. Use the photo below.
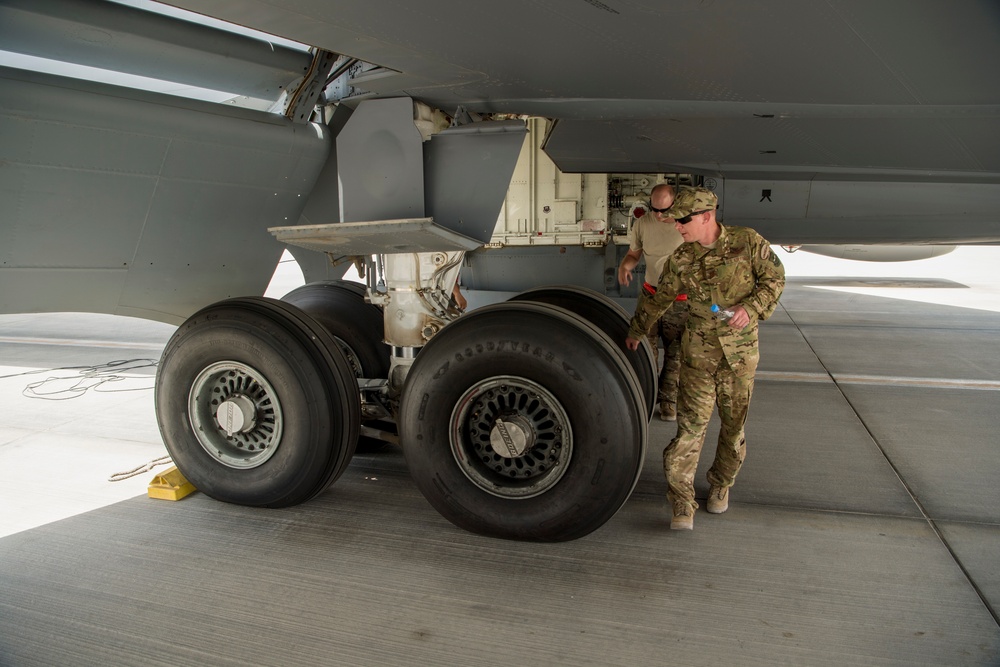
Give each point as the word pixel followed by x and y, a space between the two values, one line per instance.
pixel 606 316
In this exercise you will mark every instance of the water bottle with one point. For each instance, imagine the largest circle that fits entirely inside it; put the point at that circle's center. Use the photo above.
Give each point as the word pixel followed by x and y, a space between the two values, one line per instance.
pixel 724 315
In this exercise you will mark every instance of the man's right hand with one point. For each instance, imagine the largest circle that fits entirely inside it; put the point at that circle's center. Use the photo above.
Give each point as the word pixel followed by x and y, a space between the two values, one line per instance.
pixel 624 276
pixel 629 262
pixel 632 343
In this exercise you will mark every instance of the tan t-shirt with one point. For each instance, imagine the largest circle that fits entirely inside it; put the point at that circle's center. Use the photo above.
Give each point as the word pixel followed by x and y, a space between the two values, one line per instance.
pixel 657 240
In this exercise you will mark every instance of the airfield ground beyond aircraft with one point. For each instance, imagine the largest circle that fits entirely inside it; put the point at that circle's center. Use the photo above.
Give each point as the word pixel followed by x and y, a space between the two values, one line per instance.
pixel 509 144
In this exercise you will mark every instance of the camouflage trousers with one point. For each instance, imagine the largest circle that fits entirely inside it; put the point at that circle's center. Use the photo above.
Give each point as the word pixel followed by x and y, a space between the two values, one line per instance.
pixel 669 330
pixel 700 391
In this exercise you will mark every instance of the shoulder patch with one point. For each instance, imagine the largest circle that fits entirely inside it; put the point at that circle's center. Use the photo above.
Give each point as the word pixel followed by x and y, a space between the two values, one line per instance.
pixel 765 252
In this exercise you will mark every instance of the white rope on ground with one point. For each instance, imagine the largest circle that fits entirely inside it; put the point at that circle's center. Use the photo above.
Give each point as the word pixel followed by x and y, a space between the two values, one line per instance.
pixel 85 378
pixel 145 467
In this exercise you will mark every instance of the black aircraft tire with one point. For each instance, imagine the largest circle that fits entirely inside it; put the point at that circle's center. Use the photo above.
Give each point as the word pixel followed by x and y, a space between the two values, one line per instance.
pixel 292 388
pixel 339 305
pixel 609 318
pixel 546 373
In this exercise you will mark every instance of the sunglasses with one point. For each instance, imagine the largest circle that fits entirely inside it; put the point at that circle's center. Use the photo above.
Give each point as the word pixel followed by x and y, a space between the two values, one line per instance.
pixel 687 218
pixel 658 210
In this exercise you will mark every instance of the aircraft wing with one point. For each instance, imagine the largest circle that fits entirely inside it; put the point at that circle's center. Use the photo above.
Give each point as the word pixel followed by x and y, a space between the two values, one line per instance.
pixel 902 91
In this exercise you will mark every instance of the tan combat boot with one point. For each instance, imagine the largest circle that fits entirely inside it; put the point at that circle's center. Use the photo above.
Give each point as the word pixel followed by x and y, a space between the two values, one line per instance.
pixel 683 517
pixel 718 499
pixel 668 412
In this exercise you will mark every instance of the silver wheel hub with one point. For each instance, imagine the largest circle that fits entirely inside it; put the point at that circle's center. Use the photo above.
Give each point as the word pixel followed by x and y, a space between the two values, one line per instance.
pixel 235 414
pixel 511 437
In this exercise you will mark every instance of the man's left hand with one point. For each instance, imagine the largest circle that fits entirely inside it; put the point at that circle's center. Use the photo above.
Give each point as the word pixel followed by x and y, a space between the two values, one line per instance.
pixel 740 318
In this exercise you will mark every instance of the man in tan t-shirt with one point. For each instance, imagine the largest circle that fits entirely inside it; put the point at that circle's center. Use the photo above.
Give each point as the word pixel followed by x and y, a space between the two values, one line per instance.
pixel 655 236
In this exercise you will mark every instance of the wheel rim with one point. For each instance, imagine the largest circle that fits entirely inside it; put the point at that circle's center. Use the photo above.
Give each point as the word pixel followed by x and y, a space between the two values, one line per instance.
pixel 511 437
pixel 352 357
pixel 235 414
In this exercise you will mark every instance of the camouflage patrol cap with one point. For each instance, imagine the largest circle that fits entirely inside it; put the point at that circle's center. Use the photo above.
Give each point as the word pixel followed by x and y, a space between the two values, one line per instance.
pixel 692 200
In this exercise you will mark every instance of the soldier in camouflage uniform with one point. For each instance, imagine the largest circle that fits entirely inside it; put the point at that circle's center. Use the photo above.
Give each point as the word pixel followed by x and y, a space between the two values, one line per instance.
pixel 734 268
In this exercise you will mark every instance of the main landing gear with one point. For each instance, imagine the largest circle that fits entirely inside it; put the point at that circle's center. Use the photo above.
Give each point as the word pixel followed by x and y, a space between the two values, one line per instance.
pixel 522 420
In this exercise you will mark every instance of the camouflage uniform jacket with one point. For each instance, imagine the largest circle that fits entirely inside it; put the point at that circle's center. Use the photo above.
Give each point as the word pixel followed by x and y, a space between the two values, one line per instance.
pixel 739 270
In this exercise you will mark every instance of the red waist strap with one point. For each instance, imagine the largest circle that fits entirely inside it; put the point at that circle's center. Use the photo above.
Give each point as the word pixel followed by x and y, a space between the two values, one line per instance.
pixel 651 290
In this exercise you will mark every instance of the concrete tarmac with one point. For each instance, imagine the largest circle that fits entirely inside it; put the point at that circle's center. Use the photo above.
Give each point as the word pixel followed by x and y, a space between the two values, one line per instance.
pixel 863 530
